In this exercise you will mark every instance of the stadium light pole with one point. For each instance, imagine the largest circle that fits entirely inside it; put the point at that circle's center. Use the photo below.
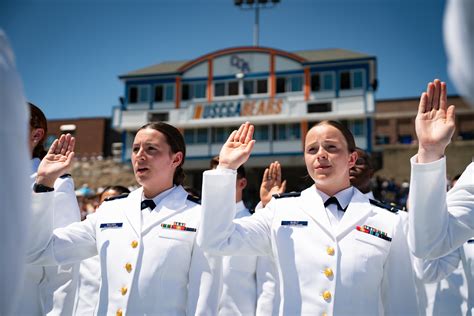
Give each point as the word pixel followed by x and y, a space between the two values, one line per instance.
pixel 256 5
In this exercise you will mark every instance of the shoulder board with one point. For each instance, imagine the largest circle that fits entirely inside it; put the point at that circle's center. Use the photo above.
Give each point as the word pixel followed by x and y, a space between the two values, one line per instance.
pixel 121 196
pixel 285 195
pixel 391 207
pixel 66 175
pixel 194 199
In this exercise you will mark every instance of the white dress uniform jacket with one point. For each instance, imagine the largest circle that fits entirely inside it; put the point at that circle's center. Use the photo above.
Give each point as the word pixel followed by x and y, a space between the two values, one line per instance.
pixel 14 171
pixel 147 268
pixel 248 281
pixel 450 214
pixel 51 290
pixel 449 282
pixel 321 269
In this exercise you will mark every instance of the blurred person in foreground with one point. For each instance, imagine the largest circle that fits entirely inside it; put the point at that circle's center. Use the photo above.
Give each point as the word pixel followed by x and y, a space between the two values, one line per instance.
pixel 50 290
pixel 15 186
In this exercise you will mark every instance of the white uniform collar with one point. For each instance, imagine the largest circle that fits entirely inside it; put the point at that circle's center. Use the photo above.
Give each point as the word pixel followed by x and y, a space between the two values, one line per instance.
pixel 344 197
pixel 160 197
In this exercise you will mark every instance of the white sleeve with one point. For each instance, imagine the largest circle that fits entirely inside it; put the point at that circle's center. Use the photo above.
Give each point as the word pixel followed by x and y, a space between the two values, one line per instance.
pixel 15 186
pixel 440 222
pixel 48 246
pixel 267 286
pixel 398 284
pixel 205 283
pixel 432 271
pixel 218 233
pixel 58 287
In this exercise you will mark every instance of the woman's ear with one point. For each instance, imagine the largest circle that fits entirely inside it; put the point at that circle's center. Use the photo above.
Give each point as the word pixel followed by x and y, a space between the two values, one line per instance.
pixel 177 159
pixel 353 158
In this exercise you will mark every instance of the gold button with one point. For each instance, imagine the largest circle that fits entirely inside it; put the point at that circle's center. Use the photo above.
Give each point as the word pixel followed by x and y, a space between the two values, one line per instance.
pixel 134 244
pixel 124 290
pixel 128 267
pixel 330 251
pixel 327 295
pixel 328 272
pixel 119 312
pixel 324 314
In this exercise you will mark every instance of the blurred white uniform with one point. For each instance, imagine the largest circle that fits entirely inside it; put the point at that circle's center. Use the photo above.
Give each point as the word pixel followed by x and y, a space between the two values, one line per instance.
pixel 337 270
pixel 248 282
pixel 150 263
pixel 450 282
pixel 15 185
pixel 51 290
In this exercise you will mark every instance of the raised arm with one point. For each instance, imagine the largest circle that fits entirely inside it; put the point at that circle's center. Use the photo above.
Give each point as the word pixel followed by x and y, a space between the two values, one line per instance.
pixel 434 122
pixel 271 183
pixel 236 150
pixel 57 161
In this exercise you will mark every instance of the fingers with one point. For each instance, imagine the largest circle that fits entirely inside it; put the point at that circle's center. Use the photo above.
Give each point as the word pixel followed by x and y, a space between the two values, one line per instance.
pixel 443 97
pixel 266 175
pixel 422 107
pixel 53 147
pixel 249 135
pixel 451 115
pixel 282 187
pixel 436 94
pixel 231 137
pixel 430 93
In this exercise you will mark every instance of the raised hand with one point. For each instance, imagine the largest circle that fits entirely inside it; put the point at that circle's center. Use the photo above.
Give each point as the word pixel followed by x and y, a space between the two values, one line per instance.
pixel 434 122
pixel 57 161
pixel 271 183
pixel 238 147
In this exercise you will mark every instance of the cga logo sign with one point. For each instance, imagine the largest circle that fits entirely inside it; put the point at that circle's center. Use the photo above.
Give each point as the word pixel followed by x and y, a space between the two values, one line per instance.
pixel 237 108
pixel 240 64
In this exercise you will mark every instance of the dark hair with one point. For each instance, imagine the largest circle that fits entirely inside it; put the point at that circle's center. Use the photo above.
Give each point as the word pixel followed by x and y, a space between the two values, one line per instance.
pixel 367 159
pixel 117 188
pixel 344 131
pixel 38 120
pixel 215 162
pixel 175 140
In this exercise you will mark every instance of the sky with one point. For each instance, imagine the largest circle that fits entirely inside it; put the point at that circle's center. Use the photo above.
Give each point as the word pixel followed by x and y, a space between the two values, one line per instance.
pixel 70 52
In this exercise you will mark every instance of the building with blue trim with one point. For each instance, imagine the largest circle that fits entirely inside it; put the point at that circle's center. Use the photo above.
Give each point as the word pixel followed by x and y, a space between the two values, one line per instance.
pixel 282 93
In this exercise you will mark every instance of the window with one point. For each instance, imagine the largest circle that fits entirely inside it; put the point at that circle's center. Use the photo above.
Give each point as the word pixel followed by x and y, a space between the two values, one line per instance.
pixel 315 82
pixel 319 107
pixel 233 88
pixel 286 131
pixel 296 84
pixel 158 117
pixel 222 89
pixel 169 92
pixel 281 85
pixel 219 89
pixel 158 94
pixel 249 87
pixel 322 81
pixel 133 95
pixel 195 90
pixel 358 128
pixel 199 90
pixel 262 86
pixel 353 79
pixel 196 136
pixel 261 133
pixel 289 84
pixel 345 83
pixel 144 94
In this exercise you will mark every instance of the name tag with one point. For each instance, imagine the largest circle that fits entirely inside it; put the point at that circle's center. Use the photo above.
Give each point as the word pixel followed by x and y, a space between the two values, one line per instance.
pixel 294 223
pixel 111 225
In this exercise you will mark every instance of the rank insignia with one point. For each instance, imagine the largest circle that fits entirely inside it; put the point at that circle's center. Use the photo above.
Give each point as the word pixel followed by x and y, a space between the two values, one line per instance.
pixel 374 232
pixel 178 226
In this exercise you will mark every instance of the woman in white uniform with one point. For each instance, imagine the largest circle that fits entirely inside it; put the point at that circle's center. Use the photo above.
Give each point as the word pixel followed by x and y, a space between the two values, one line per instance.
pixel 336 253
pixel 150 263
